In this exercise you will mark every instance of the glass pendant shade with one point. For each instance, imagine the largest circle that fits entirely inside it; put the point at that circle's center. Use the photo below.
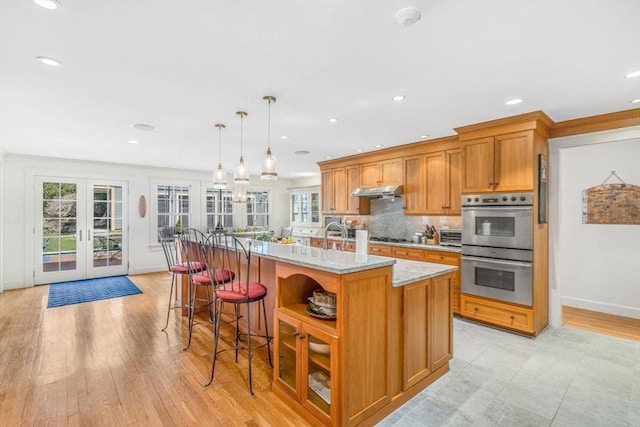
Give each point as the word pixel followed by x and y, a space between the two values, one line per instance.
pixel 239 194
pixel 220 176
pixel 241 173
pixel 269 169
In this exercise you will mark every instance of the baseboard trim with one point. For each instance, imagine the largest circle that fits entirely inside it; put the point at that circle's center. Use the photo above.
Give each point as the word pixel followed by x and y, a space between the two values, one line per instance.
pixel 602 307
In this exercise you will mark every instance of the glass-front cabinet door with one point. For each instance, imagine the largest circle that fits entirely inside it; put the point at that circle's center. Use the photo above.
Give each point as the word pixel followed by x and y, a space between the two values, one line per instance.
pixel 287 352
pixel 305 206
pixel 320 351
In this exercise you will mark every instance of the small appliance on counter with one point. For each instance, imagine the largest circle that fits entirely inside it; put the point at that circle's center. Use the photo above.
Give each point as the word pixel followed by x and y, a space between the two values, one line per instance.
pixel 451 237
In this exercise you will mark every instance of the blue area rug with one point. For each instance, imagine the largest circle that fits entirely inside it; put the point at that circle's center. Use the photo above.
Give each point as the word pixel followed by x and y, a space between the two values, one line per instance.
pixel 66 293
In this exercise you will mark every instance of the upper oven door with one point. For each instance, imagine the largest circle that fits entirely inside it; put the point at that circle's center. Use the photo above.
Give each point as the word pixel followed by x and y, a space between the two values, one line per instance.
pixel 498 226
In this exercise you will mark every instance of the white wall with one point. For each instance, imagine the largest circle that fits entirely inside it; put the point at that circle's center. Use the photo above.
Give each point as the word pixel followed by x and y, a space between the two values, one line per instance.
pixel 592 266
pixel 17 224
pixel 1 218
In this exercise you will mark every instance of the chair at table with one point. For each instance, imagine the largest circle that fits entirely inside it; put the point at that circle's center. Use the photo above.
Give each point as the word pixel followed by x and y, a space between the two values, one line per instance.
pixel 176 263
pixel 242 290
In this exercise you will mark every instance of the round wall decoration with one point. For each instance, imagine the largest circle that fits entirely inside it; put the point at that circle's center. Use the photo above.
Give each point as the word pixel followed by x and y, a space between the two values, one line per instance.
pixel 142 206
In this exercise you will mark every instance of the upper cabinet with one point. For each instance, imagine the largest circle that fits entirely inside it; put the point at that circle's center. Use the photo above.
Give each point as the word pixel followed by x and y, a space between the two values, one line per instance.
pixel 500 163
pixel 502 156
pixel 305 206
pixel 355 205
pixel 334 191
pixel 432 183
pixel 382 173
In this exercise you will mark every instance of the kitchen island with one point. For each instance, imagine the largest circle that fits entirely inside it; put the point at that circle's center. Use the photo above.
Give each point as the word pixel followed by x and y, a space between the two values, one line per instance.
pixel 389 339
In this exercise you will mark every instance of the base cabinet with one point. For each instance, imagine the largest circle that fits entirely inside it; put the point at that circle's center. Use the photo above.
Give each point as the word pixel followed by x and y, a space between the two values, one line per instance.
pixel 509 316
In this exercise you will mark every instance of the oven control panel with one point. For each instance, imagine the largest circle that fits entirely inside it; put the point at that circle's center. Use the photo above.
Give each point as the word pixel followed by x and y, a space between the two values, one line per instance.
pixel 511 199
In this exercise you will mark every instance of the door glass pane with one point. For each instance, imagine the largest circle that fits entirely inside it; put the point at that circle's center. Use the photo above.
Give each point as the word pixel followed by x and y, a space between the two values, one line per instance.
pixel 315 207
pixel 305 207
pixel 287 352
pixel 107 225
pixel 295 209
pixel 499 279
pixel 498 226
pixel 59 204
pixel 319 369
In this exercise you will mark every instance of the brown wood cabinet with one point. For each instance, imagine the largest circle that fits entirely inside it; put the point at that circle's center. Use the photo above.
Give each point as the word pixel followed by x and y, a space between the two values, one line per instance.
pixel 377 174
pixel 509 316
pixel 500 163
pixel 334 191
pixel 355 205
pixel 432 183
pixel 448 258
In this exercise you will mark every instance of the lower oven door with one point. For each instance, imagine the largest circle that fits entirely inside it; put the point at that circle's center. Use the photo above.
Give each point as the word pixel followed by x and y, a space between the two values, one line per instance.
pixel 504 280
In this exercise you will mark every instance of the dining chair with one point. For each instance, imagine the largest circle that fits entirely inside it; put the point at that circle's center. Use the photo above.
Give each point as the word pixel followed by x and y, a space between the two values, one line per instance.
pixel 242 290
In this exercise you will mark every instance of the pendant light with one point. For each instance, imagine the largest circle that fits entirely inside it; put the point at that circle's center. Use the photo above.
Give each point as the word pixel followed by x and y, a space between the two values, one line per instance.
pixel 239 194
pixel 241 173
pixel 269 170
pixel 220 175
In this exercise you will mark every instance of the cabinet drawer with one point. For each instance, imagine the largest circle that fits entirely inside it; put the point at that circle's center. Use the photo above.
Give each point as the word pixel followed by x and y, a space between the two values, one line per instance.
pixel 380 250
pixel 443 258
pixel 501 314
pixel 408 253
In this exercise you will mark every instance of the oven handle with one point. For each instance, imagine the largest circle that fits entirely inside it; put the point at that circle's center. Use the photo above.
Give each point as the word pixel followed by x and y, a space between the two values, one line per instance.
pixel 498 208
pixel 496 261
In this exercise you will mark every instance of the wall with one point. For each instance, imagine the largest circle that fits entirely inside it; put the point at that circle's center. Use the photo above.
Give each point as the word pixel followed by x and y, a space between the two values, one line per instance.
pixel 2 154
pixel 592 266
pixel 144 255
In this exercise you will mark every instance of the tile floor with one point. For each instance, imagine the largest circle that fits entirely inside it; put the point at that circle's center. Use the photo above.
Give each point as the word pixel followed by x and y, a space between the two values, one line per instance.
pixel 564 377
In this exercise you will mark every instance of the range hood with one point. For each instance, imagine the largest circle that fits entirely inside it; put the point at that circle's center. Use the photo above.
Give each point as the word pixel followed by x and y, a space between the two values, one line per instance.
pixel 378 192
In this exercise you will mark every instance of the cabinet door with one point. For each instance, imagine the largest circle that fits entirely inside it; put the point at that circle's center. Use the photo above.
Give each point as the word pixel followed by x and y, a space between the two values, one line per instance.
pixel 417 363
pixel 340 190
pixel 314 208
pixel 441 323
pixel 355 205
pixel 370 175
pixel 296 215
pixel 414 185
pixel 454 183
pixel 435 167
pixel 390 172
pixel 477 170
pixel 319 356
pixel 327 191
pixel 286 353
pixel 514 162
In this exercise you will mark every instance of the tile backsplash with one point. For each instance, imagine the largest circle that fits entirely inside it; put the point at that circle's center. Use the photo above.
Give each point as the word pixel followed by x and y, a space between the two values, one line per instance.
pixel 387 219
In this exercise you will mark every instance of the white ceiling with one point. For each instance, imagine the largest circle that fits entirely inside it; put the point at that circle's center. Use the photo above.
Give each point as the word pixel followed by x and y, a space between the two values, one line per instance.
pixel 183 65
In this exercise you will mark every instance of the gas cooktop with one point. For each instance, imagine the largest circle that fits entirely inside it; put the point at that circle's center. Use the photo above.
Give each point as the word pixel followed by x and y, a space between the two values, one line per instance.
pixel 387 239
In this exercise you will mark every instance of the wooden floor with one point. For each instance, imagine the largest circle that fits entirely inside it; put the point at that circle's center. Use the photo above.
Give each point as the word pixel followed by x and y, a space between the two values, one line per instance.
pixel 617 326
pixel 107 363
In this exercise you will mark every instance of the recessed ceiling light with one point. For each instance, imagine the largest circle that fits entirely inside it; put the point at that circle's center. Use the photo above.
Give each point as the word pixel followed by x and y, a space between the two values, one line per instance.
pixel 328 157
pixel 133 141
pixel 49 61
pixel 301 152
pixel 143 126
pixel 398 98
pixel 633 74
pixel 48 4
pixel 424 136
pixel 514 101
pixel 378 145
pixel 284 137
pixel 332 120
pixel 635 101
pixel 359 150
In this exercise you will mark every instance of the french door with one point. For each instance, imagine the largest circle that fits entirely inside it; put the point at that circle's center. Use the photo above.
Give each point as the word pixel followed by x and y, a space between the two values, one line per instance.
pixel 81 229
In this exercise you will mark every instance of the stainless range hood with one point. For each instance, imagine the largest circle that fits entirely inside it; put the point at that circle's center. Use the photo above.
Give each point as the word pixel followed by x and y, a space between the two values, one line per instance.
pixel 378 192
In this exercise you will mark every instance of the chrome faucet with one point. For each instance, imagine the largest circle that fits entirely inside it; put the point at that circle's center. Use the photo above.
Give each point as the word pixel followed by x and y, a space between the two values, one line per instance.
pixel 341 228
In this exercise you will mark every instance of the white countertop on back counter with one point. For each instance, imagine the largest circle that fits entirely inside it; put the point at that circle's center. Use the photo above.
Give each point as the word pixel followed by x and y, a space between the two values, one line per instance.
pixel 406 244
pixel 404 271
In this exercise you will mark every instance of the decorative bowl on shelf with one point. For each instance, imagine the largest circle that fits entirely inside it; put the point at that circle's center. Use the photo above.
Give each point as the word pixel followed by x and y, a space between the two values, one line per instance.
pixel 319 347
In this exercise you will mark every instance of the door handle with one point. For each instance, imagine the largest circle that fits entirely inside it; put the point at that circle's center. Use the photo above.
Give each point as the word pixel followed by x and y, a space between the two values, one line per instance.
pixel 80 235
pixel 88 235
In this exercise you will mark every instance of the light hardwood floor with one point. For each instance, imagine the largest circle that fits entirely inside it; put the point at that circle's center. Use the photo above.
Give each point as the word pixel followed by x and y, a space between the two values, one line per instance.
pixel 617 326
pixel 107 363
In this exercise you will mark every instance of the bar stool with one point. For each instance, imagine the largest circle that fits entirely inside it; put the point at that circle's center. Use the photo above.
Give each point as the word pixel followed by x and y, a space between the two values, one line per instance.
pixel 175 262
pixel 192 244
pixel 240 290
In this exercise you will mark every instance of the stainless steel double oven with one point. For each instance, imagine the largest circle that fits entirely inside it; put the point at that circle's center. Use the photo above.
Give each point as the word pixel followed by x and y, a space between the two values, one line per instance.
pixel 497 246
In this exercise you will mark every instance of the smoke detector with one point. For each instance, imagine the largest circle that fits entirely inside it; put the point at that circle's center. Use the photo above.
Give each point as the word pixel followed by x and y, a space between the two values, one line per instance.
pixel 407 16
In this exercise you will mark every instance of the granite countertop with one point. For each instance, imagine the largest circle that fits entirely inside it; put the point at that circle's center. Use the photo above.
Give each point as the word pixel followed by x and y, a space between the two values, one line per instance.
pixel 454 249
pixel 343 262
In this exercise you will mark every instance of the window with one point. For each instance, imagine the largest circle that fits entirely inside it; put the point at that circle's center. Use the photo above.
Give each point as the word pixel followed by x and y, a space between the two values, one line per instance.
pixel 219 209
pixel 173 206
pixel 258 208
